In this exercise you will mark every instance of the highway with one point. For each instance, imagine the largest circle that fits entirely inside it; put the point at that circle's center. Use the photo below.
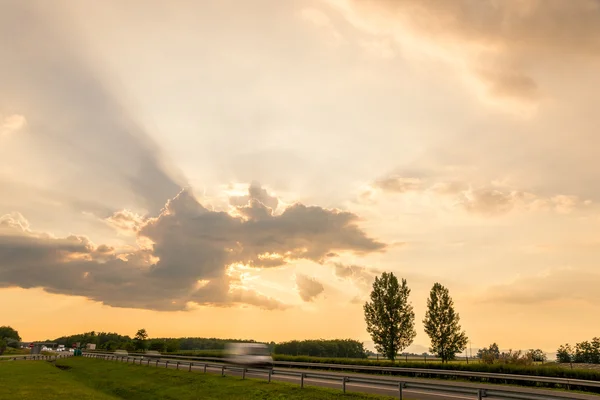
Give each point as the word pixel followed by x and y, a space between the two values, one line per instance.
pixel 408 393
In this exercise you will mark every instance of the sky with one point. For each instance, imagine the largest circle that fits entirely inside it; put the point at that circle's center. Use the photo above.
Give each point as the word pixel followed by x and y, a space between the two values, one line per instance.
pixel 245 169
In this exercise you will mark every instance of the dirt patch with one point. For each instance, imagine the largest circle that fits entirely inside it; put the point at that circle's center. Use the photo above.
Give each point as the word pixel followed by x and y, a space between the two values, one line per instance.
pixel 62 367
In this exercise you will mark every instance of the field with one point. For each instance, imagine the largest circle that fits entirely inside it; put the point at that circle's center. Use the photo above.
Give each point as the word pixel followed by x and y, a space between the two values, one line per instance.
pixel 10 351
pixel 90 379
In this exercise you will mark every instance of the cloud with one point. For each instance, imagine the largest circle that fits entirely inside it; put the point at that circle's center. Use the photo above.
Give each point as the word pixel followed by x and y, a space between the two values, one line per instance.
pixel 75 113
pixel 557 285
pixel 490 199
pixel 500 43
pixel 14 220
pixel 322 21
pixel 11 124
pixel 308 288
pixel 188 259
pixel 255 192
pixel 362 276
pixel 125 221
pixel 509 84
pixel 398 184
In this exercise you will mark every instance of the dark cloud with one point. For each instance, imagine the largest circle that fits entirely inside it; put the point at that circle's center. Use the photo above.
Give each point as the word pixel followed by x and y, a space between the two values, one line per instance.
pixel 192 248
pixel 73 113
pixel 308 288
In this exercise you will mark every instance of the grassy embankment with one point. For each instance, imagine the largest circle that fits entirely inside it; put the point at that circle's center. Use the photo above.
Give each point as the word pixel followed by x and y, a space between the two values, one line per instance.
pixel 90 379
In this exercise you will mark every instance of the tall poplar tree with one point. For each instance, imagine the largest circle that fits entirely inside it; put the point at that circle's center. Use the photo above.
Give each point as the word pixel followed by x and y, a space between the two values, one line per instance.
pixel 389 316
pixel 442 324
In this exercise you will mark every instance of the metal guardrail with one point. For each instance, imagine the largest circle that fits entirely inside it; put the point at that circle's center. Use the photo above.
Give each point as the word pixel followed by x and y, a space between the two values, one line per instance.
pixel 567 382
pixel 401 386
pixel 34 357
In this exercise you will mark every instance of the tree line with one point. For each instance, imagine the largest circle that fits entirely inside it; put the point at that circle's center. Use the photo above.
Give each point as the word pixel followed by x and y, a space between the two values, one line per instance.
pixel 140 342
pixel 347 348
pixel 584 352
pixel 391 320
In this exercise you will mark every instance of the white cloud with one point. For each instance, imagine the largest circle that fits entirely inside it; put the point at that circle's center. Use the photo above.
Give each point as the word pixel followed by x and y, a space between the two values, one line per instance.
pixel 321 20
pixel 494 198
pixel 11 124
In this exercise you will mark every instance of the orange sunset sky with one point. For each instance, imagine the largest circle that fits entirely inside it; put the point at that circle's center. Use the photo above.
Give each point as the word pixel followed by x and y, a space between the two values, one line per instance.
pixel 246 168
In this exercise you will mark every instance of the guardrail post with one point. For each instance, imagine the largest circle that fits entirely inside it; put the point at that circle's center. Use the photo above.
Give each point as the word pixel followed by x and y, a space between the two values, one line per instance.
pixel 204 368
pixel 167 364
pixel 223 370
pixel 479 394
pixel 147 362
pixel 270 373
pixel 244 373
pixel 344 384
pixel 302 381
pixel 177 366
pixel 400 386
pixel 190 368
pixel 157 363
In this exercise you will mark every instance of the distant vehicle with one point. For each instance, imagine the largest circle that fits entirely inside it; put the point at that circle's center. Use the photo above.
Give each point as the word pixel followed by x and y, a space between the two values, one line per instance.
pixel 152 354
pixel 255 355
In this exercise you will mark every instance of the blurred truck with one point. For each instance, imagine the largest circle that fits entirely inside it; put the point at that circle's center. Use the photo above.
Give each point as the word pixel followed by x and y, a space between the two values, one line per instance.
pixel 253 355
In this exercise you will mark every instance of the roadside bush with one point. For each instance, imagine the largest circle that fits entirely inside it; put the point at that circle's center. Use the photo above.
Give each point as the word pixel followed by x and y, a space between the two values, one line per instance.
pixel 584 352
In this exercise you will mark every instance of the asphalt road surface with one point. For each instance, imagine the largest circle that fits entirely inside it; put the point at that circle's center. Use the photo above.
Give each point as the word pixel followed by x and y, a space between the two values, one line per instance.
pixel 408 394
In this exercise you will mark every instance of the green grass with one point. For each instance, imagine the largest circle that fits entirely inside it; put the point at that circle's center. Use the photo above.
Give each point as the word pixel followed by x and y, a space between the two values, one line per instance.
pixel 10 351
pixel 84 378
pixel 41 380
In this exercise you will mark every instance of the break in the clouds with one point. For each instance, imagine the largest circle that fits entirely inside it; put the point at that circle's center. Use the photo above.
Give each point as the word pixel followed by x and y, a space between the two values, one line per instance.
pixel 500 43
pixel 76 114
pixel 192 257
pixel 308 287
pixel 258 193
